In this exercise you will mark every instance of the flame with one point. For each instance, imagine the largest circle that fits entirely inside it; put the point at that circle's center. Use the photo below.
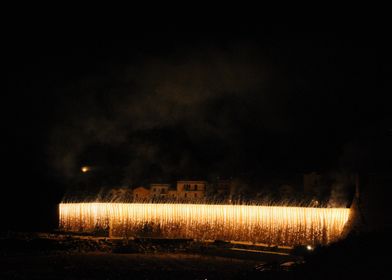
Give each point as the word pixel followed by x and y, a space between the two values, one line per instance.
pixel 264 224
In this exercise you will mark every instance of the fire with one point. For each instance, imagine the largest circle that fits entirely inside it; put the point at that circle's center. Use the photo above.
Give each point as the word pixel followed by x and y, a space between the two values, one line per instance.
pixel 264 224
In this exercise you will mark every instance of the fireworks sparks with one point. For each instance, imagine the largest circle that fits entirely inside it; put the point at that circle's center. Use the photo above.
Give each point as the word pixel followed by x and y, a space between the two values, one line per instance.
pixel 264 224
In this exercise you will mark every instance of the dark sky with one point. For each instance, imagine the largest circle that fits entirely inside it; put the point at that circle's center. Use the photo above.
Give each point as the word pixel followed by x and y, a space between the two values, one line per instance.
pixel 243 102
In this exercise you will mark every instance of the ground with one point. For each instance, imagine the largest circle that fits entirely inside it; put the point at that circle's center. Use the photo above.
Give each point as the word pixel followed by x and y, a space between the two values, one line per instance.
pixel 54 256
pixel 124 266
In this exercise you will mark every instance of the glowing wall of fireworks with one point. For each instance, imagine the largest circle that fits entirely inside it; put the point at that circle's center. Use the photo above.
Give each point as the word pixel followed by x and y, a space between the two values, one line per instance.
pixel 264 224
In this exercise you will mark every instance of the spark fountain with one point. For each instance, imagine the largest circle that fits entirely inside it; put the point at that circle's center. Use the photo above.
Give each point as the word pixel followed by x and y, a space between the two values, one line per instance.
pixel 262 224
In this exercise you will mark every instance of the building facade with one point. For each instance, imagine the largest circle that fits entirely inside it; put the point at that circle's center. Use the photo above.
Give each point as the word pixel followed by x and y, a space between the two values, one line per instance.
pixel 159 190
pixel 188 190
pixel 141 193
pixel 185 191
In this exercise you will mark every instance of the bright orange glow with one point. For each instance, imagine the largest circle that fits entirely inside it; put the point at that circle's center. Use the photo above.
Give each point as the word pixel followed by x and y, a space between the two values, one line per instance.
pixel 263 224
pixel 85 169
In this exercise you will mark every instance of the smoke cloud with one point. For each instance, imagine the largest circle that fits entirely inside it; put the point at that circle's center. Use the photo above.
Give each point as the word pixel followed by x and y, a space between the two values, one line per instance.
pixel 182 115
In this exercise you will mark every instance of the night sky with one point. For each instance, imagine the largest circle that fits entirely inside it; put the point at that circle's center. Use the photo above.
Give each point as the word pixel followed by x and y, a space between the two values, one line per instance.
pixel 244 102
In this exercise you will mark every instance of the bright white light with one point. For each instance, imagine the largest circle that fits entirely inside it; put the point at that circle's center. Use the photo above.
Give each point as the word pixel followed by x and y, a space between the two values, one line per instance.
pixel 310 248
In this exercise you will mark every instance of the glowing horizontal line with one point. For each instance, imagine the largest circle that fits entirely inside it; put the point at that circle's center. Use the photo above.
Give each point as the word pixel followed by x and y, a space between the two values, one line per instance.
pixel 258 251
pixel 260 224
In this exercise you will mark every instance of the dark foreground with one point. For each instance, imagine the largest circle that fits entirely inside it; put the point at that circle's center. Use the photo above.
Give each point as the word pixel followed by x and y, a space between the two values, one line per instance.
pixel 125 266
pixel 56 256
pixel 34 256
